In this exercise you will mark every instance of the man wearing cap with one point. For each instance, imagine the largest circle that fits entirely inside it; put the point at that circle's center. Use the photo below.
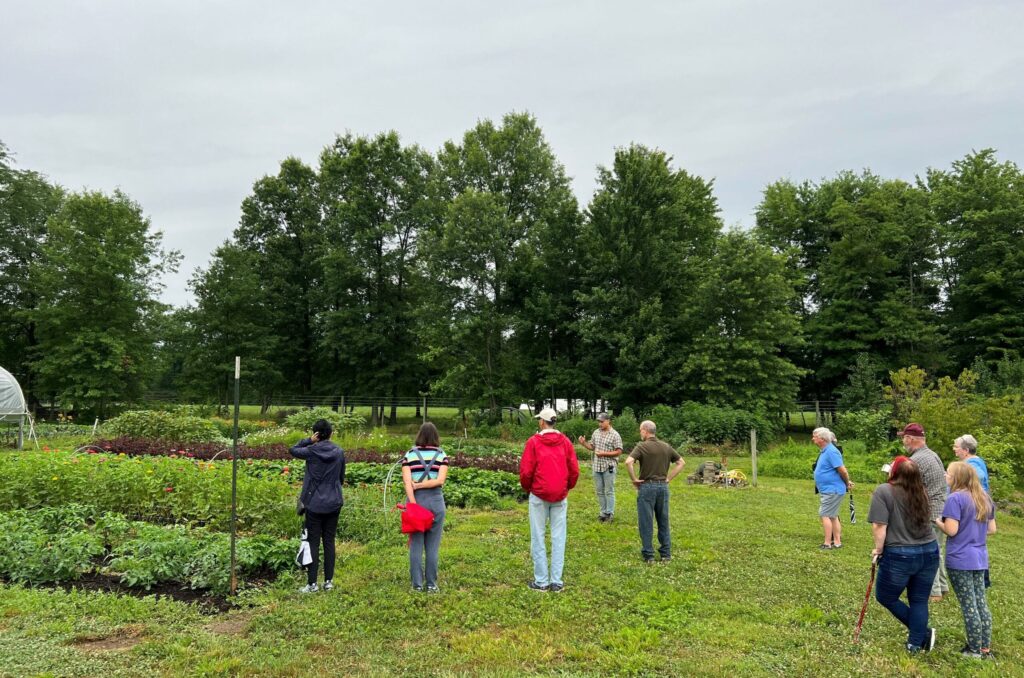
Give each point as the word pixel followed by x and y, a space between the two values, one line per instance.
pixel 933 473
pixel 655 458
pixel 547 471
pixel 606 444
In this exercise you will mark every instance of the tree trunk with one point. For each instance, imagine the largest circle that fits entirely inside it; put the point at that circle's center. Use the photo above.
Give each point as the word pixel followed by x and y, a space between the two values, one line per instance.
pixel 393 419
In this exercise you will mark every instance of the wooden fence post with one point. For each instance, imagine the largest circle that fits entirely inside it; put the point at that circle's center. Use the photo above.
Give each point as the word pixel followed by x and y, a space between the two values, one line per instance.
pixel 753 456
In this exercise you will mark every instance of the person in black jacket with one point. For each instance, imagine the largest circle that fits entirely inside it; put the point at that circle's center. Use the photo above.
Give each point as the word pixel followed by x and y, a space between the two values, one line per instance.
pixel 321 494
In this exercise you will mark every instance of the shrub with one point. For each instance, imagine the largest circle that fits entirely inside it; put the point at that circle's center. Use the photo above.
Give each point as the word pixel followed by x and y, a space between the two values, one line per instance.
pixel 277 434
pixel 628 427
pixel 1003 453
pixel 303 420
pixel 576 427
pixel 794 460
pixel 698 423
pixel 245 426
pixel 164 426
pixel 869 426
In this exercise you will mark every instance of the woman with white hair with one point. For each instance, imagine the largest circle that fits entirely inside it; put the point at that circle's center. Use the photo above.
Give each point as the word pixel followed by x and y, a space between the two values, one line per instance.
pixel 966 450
pixel 832 481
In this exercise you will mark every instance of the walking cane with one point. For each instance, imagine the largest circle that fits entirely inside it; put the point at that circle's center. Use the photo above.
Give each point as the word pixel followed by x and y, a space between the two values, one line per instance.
pixel 867 599
pixel 853 511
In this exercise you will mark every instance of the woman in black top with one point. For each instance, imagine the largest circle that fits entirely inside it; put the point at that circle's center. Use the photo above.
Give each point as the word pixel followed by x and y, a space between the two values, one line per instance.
pixel 321 495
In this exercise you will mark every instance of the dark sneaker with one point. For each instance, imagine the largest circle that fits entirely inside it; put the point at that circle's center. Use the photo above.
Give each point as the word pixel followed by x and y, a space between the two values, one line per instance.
pixel 648 560
pixel 837 546
pixel 987 654
pixel 666 559
pixel 534 586
pixel 417 589
pixel 433 589
pixel 602 518
pixel 556 588
pixel 825 547
pixel 929 643
pixel 913 649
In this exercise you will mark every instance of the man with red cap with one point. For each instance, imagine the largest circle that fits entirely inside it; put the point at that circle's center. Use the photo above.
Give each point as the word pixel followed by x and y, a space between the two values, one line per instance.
pixel 933 473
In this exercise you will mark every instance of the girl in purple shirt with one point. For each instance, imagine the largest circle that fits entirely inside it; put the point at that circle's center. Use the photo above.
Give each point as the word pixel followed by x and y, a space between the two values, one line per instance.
pixel 967 519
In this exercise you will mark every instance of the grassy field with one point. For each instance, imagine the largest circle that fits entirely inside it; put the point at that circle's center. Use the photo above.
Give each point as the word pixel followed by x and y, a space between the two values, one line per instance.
pixel 747 593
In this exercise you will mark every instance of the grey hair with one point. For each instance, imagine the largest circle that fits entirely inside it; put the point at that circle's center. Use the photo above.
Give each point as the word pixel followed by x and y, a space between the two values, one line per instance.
pixel 824 434
pixel 649 426
pixel 967 442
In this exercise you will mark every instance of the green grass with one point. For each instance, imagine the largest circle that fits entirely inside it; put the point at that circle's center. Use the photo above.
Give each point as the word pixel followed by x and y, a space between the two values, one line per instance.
pixel 748 593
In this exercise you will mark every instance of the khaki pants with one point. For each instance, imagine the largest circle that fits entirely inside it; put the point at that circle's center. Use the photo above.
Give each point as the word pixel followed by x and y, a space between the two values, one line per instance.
pixel 940 586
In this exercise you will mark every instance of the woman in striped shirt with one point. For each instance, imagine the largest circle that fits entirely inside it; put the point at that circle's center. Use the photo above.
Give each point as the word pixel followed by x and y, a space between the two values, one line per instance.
pixel 424 470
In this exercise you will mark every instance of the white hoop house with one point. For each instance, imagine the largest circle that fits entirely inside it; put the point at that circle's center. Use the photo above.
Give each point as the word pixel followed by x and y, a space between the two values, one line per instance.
pixel 13 409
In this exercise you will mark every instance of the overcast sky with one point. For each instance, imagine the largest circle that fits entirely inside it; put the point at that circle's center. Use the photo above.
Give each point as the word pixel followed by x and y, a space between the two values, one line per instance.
pixel 183 105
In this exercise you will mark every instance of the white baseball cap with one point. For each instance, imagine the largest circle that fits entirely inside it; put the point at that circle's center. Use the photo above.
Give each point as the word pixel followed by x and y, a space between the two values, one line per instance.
pixel 547 414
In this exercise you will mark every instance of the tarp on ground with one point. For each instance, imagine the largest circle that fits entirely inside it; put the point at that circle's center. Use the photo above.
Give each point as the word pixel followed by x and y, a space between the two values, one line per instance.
pixel 12 400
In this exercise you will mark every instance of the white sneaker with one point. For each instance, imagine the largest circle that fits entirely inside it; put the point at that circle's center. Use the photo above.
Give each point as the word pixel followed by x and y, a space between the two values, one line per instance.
pixel 328 585
pixel 309 588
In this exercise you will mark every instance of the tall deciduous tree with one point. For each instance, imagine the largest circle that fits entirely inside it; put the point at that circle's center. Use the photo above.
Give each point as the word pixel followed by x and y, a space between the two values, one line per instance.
pixel 97 281
pixel 866 250
pixel 979 205
pixel 743 310
pixel 506 237
pixel 26 201
pixel 229 321
pixel 282 224
pixel 376 206
pixel 649 235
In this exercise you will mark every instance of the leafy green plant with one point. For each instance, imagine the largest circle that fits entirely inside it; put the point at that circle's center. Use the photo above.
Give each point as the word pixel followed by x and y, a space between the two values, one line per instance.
pixel 303 420
pixel 869 426
pixel 164 426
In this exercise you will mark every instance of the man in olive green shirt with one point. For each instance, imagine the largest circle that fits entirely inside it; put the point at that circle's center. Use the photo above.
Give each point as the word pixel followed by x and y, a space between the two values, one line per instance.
pixel 656 458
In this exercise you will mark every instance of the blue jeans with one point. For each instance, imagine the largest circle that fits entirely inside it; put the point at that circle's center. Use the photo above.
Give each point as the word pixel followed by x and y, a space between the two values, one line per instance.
pixel 910 568
pixel 604 485
pixel 541 513
pixel 651 505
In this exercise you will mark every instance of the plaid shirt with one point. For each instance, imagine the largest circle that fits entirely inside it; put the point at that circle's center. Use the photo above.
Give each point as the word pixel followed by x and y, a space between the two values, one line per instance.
pixel 933 473
pixel 605 442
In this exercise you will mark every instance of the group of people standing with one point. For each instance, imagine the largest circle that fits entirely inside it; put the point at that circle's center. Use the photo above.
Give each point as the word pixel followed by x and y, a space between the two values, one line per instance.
pixel 548 470
pixel 921 507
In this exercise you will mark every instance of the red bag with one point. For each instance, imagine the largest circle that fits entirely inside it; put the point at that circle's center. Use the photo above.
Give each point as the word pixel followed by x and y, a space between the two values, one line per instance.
pixel 415 518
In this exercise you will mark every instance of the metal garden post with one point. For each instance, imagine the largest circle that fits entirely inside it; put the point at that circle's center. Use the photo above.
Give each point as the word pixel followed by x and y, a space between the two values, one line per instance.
pixel 234 480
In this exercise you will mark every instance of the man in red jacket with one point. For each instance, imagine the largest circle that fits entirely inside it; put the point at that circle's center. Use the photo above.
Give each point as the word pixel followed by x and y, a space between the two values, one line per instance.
pixel 547 471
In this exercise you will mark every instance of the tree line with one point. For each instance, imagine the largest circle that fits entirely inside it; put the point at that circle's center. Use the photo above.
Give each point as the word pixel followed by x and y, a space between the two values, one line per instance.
pixel 472 272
